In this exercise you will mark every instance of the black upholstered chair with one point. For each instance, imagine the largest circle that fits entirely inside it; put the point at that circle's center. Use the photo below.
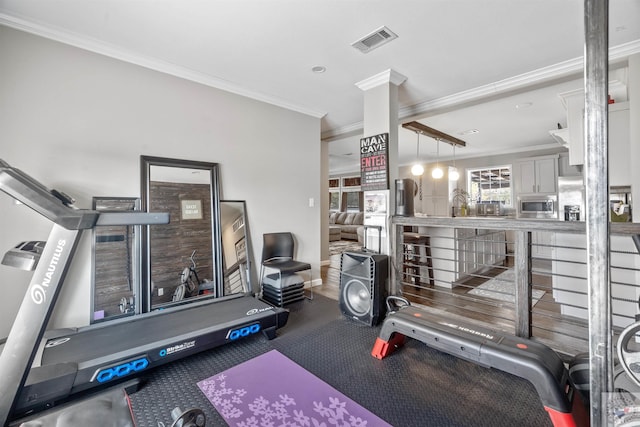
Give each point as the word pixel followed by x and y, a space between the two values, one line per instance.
pixel 278 279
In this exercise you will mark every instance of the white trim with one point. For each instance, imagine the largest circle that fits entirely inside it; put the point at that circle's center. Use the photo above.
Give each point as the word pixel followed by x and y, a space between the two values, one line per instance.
pixel 537 76
pixel 116 52
pixel 387 76
pixel 541 75
pixel 344 131
pixel 546 74
pixel 314 282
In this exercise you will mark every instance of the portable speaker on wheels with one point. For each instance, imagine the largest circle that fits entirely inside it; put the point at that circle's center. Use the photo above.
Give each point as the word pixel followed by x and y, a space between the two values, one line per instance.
pixel 363 280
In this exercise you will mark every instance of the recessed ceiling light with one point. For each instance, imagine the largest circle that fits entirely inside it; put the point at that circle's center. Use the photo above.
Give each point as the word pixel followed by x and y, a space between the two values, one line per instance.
pixel 469 132
pixel 319 69
pixel 524 105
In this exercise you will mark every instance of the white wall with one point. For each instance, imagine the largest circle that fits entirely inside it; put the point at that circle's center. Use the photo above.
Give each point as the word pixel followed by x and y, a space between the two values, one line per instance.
pixel 78 122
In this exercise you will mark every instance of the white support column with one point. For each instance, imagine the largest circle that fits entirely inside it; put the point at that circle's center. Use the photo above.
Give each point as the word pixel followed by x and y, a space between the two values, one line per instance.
pixel 633 87
pixel 381 116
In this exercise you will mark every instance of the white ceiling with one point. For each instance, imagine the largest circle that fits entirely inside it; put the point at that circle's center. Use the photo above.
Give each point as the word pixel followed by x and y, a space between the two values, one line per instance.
pixel 454 54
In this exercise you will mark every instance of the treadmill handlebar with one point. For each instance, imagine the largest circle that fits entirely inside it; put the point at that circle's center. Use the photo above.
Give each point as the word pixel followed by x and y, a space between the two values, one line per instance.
pixel 132 218
pixel 35 195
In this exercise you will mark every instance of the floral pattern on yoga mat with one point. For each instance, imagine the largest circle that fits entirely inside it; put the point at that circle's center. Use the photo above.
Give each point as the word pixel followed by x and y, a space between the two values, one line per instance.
pixel 271 391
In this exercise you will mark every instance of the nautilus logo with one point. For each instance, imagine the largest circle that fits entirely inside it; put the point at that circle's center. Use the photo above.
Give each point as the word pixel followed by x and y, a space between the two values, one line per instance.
pixel 37 294
pixel 38 290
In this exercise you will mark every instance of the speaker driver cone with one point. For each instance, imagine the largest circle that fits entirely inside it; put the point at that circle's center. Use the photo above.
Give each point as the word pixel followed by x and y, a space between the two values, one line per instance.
pixel 357 297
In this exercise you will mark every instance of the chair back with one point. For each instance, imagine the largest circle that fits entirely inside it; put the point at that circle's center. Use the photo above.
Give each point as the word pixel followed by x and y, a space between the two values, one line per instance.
pixel 277 245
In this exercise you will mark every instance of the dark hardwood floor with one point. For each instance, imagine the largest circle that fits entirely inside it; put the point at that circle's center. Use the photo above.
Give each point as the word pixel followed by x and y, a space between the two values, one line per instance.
pixel 567 335
pixel 330 275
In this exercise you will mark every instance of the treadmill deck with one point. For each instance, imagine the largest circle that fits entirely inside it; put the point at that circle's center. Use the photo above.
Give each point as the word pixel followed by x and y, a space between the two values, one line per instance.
pixel 105 354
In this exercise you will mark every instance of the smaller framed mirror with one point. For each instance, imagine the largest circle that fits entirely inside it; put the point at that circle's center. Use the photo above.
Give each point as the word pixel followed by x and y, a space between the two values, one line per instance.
pixel 235 247
pixel 116 263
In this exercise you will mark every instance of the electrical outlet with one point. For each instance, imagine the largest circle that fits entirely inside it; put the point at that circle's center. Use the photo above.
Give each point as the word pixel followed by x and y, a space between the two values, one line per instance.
pixel 160 292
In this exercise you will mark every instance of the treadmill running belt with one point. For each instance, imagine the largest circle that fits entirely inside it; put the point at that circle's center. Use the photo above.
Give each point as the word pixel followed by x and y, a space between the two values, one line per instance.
pixel 100 342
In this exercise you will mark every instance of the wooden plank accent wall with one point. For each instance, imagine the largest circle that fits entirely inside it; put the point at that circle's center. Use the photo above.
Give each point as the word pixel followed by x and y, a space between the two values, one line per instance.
pixel 113 269
pixel 113 275
pixel 172 244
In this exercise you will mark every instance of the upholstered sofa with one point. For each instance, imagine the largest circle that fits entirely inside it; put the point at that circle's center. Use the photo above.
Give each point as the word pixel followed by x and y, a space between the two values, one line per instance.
pixel 348 222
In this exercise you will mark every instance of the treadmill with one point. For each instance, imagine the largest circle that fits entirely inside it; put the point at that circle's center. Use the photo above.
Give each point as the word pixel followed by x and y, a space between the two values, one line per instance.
pixel 39 369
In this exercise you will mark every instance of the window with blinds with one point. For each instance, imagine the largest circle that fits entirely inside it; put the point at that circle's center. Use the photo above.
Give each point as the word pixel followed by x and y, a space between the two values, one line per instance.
pixel 490 185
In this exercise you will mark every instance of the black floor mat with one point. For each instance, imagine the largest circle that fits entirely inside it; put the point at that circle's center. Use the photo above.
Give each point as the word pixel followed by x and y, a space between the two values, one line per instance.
pixel 415 386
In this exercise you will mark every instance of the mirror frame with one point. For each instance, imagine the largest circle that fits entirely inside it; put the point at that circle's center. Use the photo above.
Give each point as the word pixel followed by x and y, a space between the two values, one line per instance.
pixel 146 162
pixel 246 240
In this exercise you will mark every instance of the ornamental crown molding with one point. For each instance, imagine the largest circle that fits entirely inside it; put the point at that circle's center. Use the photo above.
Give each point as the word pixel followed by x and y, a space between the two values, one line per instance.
pixel 387 76
pixel 132 57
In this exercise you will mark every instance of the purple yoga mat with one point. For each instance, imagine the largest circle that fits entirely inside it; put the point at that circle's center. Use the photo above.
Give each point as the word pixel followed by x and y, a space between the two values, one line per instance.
pixel 272 390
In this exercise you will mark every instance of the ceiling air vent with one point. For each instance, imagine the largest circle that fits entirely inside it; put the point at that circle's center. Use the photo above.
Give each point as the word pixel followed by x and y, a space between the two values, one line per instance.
pixel 376 39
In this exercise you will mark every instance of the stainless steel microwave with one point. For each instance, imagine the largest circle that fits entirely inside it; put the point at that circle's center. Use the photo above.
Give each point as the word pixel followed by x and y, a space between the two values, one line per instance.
pixel 542 207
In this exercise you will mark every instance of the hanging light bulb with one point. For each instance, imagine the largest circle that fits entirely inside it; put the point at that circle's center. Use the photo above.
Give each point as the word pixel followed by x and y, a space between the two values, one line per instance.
pixel 437 173
pixel 417 169
pixel 454 175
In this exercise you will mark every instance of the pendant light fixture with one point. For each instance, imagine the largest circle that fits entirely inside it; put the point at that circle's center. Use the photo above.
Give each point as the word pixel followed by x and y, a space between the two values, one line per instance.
pixel 454 175
pixel 437 172
pixel 417 169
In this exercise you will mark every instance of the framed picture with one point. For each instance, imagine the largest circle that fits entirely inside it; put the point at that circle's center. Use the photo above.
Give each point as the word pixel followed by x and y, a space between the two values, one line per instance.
pixel 191 209
pixel 241 250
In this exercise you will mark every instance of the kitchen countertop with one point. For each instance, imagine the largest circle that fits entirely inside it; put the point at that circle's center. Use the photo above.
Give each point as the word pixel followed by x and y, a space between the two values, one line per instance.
pixel 510 223
pixel 487 222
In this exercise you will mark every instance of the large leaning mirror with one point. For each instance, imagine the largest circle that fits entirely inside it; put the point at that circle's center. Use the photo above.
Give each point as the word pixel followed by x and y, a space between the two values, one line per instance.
pixel 182 260
pixel 235 247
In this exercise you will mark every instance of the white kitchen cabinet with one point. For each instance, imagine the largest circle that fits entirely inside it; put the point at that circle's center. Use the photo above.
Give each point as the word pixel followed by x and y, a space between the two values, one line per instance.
pixel 541 244
pixel 570 271
pixel 435 197
pixel 574 102
pixel 537 175
pixel 466 251
pixel 491 248
pixel 479 249
pixel 619 140
pixel 567 169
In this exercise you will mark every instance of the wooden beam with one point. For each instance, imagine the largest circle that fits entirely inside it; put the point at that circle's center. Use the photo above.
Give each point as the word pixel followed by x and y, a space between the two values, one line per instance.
pixel 433 133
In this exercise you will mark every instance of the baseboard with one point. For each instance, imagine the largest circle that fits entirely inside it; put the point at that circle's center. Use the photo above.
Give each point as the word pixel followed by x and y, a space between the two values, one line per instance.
pixel 314 282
